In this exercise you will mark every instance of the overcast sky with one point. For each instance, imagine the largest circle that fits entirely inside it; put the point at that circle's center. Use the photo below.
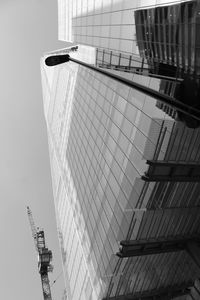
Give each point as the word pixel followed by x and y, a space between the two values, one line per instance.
pixel 28 28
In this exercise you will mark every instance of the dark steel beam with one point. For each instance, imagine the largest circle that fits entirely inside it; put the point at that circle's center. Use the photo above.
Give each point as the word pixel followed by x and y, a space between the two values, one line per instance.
pixel 172 171
pixel 158 178
pixel 152 246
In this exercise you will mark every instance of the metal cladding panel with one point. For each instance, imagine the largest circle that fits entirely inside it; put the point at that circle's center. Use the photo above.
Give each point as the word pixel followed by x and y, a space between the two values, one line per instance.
pixel 169 222
pixel 152 272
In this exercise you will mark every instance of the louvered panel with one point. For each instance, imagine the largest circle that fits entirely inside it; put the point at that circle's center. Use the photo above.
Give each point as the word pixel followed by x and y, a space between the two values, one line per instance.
pixel 195 147
pixel 164 194
pixel 174 230
pixel 180 221
pixel 159 283
pixel 168 273
pixel 161 224
pixel 186 192
pixel 164 223
pixel 142 229
pixel 184 275
pixel 155 229
pixel 169 222
pixel 188 199
pixel 174 268
pixel 174 140
pixel 178 275
pixel 159 263
pixel 136 223
pixel 182 150
pixel 173 136
pixel 188 268
pixel 133 275
pixel 176 225
pixel 162 266
pixel 161 192
pixel 151 281
pixel 182 189
pixel 147 194
pixel 154 272
pixel 175 195
pixel 146 281
pixel 115 282
pixel 150 266
pixel 167 199
pixel 195 195
pixel 165 261
pixel 136 269
pixel 138 284
pixel 150 203
pixel 193 144
pixel 151 225
pixel 171 266
pixel 195 226
pixel 127 289
pixel 181 228
pixel 179 224
pixel 187 224
pixel 195 213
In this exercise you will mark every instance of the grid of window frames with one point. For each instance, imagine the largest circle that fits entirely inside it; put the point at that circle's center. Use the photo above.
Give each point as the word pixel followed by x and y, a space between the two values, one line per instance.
pixel 106 123
pixel 108 24
pixel 76 269
pixel 169 34
pixel 100 176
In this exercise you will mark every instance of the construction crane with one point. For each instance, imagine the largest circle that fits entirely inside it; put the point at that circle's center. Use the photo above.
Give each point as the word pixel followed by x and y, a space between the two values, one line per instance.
pixel 44 256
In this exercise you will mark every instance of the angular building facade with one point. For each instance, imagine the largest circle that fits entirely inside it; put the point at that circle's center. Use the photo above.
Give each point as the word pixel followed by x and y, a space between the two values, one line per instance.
pixel 153 38
pixel 106 143
pixel 125 174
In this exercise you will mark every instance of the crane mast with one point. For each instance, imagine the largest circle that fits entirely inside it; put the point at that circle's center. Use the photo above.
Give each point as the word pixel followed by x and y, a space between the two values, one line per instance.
pixel 44 256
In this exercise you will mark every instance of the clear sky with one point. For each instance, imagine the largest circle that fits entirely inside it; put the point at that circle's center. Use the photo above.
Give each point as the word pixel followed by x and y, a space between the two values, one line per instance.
pixel 28 28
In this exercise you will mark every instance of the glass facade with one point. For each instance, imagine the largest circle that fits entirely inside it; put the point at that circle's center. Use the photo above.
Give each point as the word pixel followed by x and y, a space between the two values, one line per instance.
pixel 154 38
pixel 106 144
pixel 169 35
pixel 101 134
pixel 108 24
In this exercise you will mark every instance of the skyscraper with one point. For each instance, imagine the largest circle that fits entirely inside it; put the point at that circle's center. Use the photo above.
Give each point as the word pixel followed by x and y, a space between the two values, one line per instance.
pixel 168 37
pixel 111 24
pixel 154 37
pixel 125 174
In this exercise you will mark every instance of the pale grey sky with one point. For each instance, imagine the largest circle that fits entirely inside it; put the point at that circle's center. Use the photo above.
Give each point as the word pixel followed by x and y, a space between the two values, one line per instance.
pixel 28 28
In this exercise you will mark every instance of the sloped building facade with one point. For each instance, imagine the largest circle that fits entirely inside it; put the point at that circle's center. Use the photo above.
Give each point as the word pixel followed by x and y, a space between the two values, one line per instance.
pixel 124 172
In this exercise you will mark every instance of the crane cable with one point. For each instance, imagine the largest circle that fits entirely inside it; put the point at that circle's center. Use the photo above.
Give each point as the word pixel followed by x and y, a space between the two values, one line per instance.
pixel 56 278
